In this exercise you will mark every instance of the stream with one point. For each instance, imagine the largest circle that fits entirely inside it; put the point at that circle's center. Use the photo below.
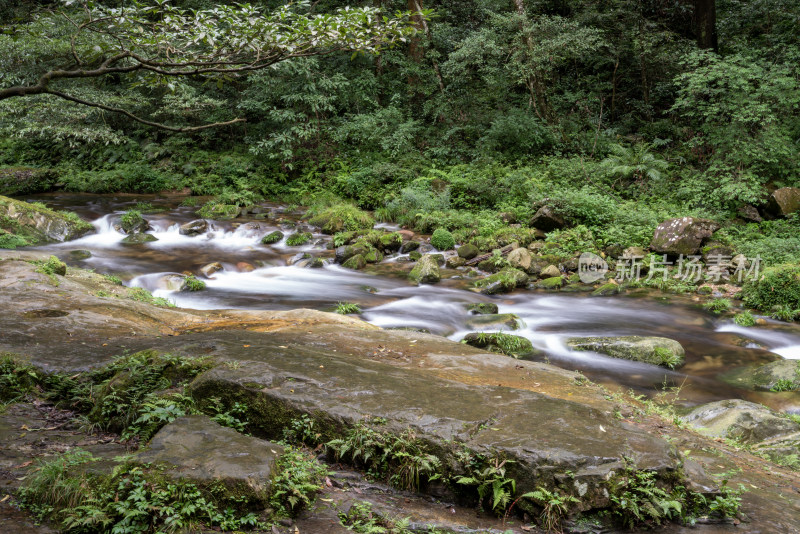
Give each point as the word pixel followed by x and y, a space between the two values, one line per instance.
pixel 714 346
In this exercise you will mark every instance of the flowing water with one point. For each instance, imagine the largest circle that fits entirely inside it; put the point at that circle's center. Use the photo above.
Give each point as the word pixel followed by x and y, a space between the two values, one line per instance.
pixel 713 346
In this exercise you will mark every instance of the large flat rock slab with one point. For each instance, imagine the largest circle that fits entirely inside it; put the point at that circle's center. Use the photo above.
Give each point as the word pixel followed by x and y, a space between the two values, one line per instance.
pixel 201 451
pixel 546 436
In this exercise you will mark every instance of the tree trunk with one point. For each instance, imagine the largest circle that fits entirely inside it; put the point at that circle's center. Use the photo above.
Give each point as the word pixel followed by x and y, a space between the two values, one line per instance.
pixel 538 96
pixel 705 24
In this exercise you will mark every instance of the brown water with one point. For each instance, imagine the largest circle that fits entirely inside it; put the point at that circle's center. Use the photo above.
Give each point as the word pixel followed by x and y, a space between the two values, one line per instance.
pixel 713 346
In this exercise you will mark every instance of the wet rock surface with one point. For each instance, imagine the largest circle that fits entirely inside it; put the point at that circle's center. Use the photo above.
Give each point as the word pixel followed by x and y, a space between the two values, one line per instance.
pixel 682 236
pixel 653 350
pixel 37 224
pixel 201 451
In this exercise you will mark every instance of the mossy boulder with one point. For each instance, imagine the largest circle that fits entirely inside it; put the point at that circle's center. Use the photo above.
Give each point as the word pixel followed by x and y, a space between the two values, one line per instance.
pixel 355 262
pixel 482 308
pixel 215 210
pixel 454 262
pixel 499 342
pixel 346 252
pixel 550 271
pixel 391 242
pixel 37 225
pixel 547 219
pixel 426 271
pixel 197 449
pixel 409 246
pixel 415 255
pixel 138 239
pixel 502 282
pixel 747 423
pixel 781 375
pixel 272 238
pixel 131 222
pixel 653 350
pixel 468 251
pixel 554 282
pixel 340 218
pixel 784 201
pixel 374 256
pixel 298 239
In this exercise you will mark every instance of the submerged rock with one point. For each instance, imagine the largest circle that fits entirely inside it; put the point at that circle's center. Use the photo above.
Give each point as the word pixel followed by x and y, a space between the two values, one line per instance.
pixel 781 375
pixel 426 271
pixel 747 423
pixel 494 321
pixel 210 268
pixel 196 227
pixel 197 449
pixel 682 236
pixel 653 350
pixel 138 239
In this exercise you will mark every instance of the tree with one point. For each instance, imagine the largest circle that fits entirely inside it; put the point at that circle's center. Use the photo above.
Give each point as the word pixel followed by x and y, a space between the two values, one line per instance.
pixel 705 23
pixel 158 42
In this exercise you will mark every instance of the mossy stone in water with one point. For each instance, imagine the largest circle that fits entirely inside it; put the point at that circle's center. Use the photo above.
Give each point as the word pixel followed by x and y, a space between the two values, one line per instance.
pixel 606 289
pixel 272 238
pixel 508 344
pixel 415 255
pixel 455 262
pixel 482 308
pixel 391 242
pixel 426 271
pixel 554 282
pixel 468 251
pixel 80 254
pixel 496 321
pixel 506 280
pixel 138 239
pixel 374 256
pixel 355 262
pixel 298 239
pixel 782 375
pixel 653 350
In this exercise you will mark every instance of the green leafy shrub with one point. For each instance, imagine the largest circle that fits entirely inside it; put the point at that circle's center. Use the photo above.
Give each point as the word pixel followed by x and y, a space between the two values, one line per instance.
pixel 778 286
pixel 131 220
pixel 745 318
pixel 718 305
pixel 346 308
pixel 11 241
pixel 51 266
pixel 339 218
pixel 442 239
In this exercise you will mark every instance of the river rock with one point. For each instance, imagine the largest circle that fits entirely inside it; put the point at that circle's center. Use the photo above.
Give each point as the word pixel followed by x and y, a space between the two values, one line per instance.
pixel 499 342
pixel 493 321
pixel 426 271
pixel 409 246
pixel 502 282
pixel 346 252
pixel 138 239
pixel 482 308
pixel 546 219
pixel 781 374
pixel 682 236
pixel 714 251
pixel 244 267
pixel 454 262
pixel 272 238
pixel 553 282
pixel 197 449
pixel 196 227
pixel 210 268
pixel 171 282
pixel 610 288
pixel 391 242
pixel 784 201
pixel 747 423
pixel 38 225
pixel 652 350
pixel 468 251
pixel 374 256
pixel 80 254
pixel 549 272
pixel 749 213
pixel 520 258
pixel 355 262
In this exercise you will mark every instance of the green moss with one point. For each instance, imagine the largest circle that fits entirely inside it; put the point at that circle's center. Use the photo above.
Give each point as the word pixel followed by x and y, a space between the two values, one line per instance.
pixel 52 266
pixel 355 262
pixel 508 344
pixel 194 284
pixel 11 241
pixel 218 211
pixel 132 221
pixel 606 289
pixel 374 256
pixel 554 282
pixel 502 282
pixel 298 239
pixel 272 238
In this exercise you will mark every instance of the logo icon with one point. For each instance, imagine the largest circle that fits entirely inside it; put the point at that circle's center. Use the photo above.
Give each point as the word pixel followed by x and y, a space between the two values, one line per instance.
pixel 591 268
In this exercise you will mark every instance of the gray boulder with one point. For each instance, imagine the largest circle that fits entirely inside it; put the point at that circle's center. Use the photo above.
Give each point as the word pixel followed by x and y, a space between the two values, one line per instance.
pixel 196 227
pixel 546 219
pixel 197 449
pixel 682 236
pixel 784 201
pixel 426 271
